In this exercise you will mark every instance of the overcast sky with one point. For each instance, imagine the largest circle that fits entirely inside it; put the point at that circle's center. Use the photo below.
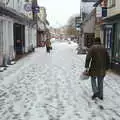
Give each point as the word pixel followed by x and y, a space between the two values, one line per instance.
pixel 59 11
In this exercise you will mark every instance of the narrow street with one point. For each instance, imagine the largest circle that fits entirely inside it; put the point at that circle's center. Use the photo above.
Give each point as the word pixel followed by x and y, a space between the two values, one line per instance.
pixel 45 86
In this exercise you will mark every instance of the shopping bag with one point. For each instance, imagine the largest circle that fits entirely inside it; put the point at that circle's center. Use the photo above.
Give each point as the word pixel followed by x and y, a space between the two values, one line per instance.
pixel 84 75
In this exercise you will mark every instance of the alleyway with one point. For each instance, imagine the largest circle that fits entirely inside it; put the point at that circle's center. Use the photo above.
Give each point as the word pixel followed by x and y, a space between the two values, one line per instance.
pixel 45 86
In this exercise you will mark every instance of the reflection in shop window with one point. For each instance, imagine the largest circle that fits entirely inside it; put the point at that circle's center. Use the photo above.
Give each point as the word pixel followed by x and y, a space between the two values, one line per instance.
pixel 117 42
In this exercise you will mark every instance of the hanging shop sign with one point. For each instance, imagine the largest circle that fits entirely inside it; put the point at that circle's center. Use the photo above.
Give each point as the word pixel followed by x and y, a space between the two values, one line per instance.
pixel 36 9
pixel 77 22
pixel 28 7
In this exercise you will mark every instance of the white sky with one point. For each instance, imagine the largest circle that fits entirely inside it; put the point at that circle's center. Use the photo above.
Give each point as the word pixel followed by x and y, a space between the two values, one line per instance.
pixel 59 11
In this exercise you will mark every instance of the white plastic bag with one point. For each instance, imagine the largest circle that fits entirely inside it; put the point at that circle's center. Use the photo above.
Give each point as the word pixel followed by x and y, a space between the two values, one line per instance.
pixel 84 75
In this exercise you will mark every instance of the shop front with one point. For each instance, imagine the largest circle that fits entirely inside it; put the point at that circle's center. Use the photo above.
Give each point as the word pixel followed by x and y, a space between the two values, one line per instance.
pixel 116 48
pixel 112 41
pixel 108 40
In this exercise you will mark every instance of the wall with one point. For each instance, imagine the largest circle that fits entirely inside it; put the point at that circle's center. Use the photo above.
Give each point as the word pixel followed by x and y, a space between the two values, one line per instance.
pixel 28 14
pixel 89 26
pixel 18 5
pixel 115 9
pixel 26 39
pixel 34 39
pixel 42 14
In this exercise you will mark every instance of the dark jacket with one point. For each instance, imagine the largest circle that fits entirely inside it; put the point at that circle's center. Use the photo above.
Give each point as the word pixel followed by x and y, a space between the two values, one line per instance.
pixel 97 60
pixel 48 43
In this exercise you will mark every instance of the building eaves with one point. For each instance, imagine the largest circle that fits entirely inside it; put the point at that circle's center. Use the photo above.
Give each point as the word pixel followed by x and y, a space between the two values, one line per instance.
pixel 112 18
pixel 15 15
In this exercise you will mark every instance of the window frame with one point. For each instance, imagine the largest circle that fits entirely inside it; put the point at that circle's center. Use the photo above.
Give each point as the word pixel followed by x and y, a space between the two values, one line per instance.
pixel 111 3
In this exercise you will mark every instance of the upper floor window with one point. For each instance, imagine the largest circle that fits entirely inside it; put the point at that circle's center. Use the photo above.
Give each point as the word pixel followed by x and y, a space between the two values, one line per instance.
pixel 111 3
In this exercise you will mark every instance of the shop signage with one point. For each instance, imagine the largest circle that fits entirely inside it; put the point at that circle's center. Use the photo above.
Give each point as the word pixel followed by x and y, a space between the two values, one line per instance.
pixel 77 22
pixel 36 9
pixel 28 7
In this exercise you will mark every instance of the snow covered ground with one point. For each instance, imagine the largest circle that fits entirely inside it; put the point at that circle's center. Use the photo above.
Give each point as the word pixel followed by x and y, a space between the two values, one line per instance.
pixel 45 86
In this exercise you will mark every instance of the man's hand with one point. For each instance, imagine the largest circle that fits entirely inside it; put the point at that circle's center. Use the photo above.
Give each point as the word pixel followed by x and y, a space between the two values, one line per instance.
pixel 86 69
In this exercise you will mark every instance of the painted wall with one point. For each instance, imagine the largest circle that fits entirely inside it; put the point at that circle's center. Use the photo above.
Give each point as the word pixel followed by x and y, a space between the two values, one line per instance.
pixel 34 39
pixel 28 14
pixel 18 5
pixel 41 26
pixel 6 39
pixel 89 26
pixel 115 9
pixel 26 39
pixel 42 14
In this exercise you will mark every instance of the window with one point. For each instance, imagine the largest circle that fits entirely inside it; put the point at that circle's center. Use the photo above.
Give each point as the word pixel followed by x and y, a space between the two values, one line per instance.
pixel 116 52
pixel 111 3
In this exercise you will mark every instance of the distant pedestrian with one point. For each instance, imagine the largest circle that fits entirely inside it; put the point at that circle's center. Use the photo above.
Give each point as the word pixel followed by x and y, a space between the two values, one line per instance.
pixel 48 45
pixel 97 63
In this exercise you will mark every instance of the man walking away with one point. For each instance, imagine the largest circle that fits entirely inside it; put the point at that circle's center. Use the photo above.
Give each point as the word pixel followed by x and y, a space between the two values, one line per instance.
pixel 48 44
pixel 97 63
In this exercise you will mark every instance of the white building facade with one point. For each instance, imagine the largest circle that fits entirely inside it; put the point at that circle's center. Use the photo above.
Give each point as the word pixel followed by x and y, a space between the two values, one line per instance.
pixel 10 26
pixel 6 38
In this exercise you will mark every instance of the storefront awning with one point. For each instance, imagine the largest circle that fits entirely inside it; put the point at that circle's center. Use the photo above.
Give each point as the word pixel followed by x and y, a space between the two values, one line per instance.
pixel 112 18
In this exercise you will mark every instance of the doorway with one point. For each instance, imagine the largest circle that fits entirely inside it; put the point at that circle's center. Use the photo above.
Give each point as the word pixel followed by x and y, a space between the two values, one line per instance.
pixel 19 38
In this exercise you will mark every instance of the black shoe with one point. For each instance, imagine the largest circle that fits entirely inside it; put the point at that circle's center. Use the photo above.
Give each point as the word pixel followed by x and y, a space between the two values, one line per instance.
pixel 101 98
pixel 94 96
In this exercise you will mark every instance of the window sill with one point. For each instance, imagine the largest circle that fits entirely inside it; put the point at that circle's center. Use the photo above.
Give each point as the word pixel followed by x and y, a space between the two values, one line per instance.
pixel 111 6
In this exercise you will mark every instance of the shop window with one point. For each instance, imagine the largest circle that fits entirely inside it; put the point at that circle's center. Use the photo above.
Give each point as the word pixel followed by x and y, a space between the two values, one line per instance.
pixel 117 43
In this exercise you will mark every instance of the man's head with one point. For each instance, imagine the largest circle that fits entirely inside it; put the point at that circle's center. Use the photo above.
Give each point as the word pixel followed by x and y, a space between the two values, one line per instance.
pixel 97 40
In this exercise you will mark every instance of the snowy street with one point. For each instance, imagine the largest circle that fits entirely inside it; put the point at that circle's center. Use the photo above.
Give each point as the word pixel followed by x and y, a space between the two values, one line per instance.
pixel 45 86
